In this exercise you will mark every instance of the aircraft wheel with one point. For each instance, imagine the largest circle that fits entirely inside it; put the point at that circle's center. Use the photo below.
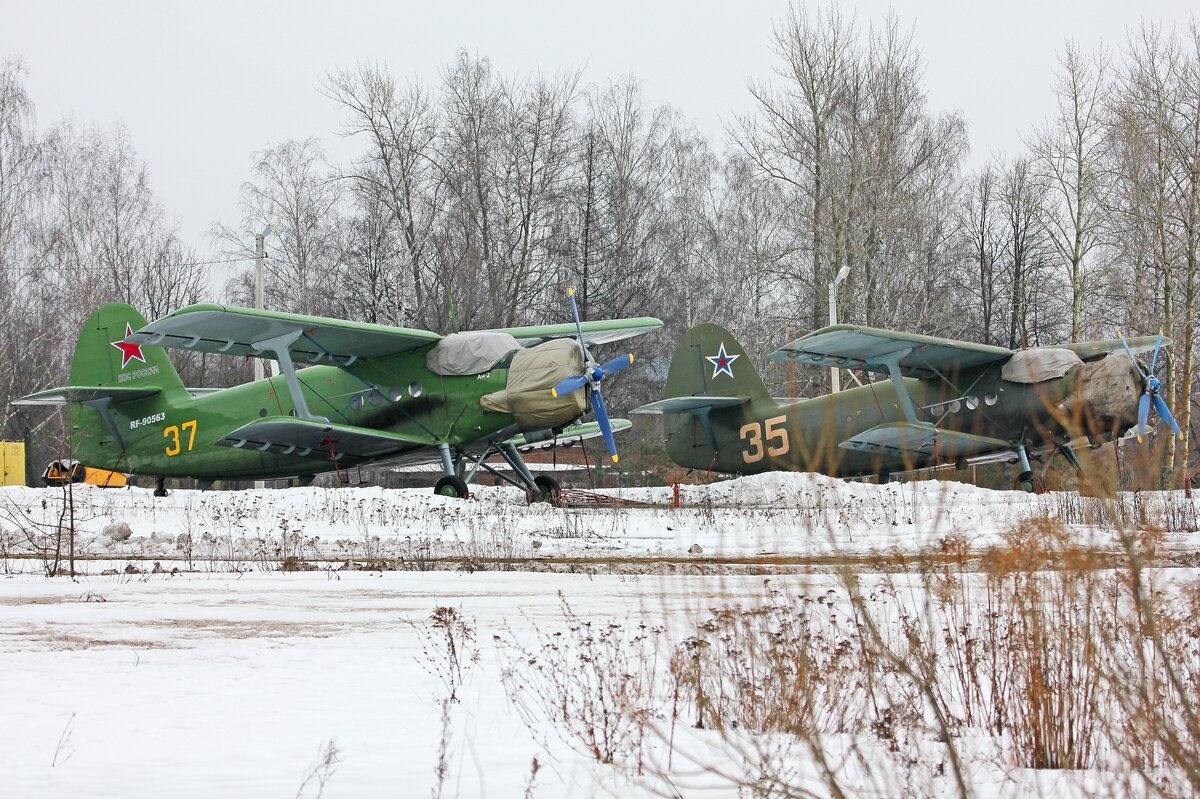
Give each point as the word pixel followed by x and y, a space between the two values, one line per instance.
pixel 160 488
pixel 451 486
pixel 1024 482
pixel 548 489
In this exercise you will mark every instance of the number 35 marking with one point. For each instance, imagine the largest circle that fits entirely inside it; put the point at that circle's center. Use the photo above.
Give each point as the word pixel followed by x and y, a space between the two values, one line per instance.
pixel 776 439
pixel 174 447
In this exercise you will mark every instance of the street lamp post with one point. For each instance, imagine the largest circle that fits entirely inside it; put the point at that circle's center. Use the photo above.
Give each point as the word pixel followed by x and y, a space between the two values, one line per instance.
pixel 259 257
pixel 835 376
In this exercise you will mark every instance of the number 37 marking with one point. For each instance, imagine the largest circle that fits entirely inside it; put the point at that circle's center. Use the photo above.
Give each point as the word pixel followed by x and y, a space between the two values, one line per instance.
pixel 776 439
pixel 171 433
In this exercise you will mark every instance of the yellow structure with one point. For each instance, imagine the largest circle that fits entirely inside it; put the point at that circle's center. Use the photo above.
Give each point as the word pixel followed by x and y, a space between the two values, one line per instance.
pixel 66 471
pixel 12 454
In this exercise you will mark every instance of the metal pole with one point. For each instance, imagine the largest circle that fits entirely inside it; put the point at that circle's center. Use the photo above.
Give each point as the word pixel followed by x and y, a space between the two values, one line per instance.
pixel 258 303
pixel 835 376
pixel 258 292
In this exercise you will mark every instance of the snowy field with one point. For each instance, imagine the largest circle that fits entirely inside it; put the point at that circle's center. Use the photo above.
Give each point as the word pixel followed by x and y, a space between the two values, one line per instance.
pixel 234 678
pixel 753 517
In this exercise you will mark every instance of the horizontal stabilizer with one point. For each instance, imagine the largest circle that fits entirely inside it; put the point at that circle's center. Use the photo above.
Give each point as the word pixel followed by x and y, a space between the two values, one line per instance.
pixel 923 439
pixel 855 347
pixel 571 434
pixel 228 330
pixel 689 404
pixel 285 435
pixel 82 394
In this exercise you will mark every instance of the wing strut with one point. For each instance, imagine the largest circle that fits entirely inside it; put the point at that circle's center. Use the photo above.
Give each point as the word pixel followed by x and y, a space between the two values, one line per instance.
pixel 280 346
pixel 892 361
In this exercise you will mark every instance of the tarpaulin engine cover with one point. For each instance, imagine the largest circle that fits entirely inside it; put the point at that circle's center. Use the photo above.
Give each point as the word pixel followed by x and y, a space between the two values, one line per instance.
pixel 533 373
pixel 1039 365
pixel 469 353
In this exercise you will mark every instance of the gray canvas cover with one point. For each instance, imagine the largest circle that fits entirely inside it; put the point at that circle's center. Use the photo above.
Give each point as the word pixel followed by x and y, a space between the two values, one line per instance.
pixel 1038 365
pixel 469 353
pixel 534 371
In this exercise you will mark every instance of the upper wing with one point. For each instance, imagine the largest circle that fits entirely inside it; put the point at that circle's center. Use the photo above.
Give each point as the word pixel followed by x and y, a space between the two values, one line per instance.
pixel 230 330
pixel 1091 350
pixel 854 347
pixel 599 332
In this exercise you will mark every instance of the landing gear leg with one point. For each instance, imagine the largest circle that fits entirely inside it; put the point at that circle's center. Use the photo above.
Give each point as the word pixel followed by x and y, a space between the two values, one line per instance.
pixel 160 486
pixel 1025 478
pixel 1071 457
pixel 535 490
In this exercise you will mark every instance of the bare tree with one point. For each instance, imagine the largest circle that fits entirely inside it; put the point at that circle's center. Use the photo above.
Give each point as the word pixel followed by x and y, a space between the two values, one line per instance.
pixel 984 241
pixel 292 191
pixel 1070 163
pixel 400 167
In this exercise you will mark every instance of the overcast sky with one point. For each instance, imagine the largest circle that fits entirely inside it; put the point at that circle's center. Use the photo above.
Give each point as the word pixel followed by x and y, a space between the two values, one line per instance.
pixel 201 85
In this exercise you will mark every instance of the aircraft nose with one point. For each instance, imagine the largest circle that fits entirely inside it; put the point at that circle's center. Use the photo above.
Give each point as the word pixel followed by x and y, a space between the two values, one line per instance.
pixel 534 373
pixel 1106 396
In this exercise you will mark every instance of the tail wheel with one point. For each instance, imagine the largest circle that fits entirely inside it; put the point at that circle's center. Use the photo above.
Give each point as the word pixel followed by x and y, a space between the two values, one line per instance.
pixel 451 486
pixel 547 490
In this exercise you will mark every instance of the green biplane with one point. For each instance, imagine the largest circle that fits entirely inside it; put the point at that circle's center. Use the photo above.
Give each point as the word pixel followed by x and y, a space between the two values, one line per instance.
pixel 944 402
pixel 369 393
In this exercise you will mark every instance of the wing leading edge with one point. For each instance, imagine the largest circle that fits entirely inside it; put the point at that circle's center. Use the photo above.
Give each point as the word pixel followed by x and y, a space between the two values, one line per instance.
pixel 228 330
pixel 602 331
pixel 855 347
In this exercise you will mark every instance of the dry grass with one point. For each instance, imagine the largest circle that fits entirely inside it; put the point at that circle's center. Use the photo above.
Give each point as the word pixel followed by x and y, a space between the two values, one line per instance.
pixel 1043 658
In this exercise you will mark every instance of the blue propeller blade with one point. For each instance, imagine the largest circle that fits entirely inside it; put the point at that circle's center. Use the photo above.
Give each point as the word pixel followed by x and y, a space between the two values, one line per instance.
pixel 615 365
pixel 578 325
pixel 568 385
pixel 1143 415
pixel 602 417
pixel 1129 352
pixel 1150 395
pixel 1165 414
pixel 1154 357
pixel 592 375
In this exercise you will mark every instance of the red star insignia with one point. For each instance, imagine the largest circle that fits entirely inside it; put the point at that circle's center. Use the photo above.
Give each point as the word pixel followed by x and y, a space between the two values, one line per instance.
pixel 128 351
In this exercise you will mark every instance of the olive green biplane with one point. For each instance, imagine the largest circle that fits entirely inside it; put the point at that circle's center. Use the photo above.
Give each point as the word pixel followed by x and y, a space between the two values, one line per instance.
pixel 943 402
pixel 370 393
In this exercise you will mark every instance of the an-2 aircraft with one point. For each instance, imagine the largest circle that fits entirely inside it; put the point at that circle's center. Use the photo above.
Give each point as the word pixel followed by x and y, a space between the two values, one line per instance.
pixel 372 393
pixel 946 402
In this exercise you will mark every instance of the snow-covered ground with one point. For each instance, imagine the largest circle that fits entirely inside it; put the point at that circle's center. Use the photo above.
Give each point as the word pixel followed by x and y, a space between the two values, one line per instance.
pixel 767 515
pixel 233 678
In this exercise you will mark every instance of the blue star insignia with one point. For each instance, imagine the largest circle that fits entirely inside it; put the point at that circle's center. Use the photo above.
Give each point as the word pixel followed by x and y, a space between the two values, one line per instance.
pixel 722 362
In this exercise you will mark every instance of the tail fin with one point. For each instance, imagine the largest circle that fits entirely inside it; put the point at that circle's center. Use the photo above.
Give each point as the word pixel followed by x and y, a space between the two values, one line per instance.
pixel 102 358
pixel 119 392
pixel 709 361
pixel 712 390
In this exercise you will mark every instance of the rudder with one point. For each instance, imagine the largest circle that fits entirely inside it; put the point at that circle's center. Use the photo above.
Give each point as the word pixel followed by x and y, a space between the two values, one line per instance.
pixel 710 361
pixel 712 389
pixel 106 431
pixel 103 359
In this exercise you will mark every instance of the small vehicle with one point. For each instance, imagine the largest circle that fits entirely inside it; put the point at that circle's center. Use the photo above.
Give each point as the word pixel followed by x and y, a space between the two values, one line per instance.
pixel 61 472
